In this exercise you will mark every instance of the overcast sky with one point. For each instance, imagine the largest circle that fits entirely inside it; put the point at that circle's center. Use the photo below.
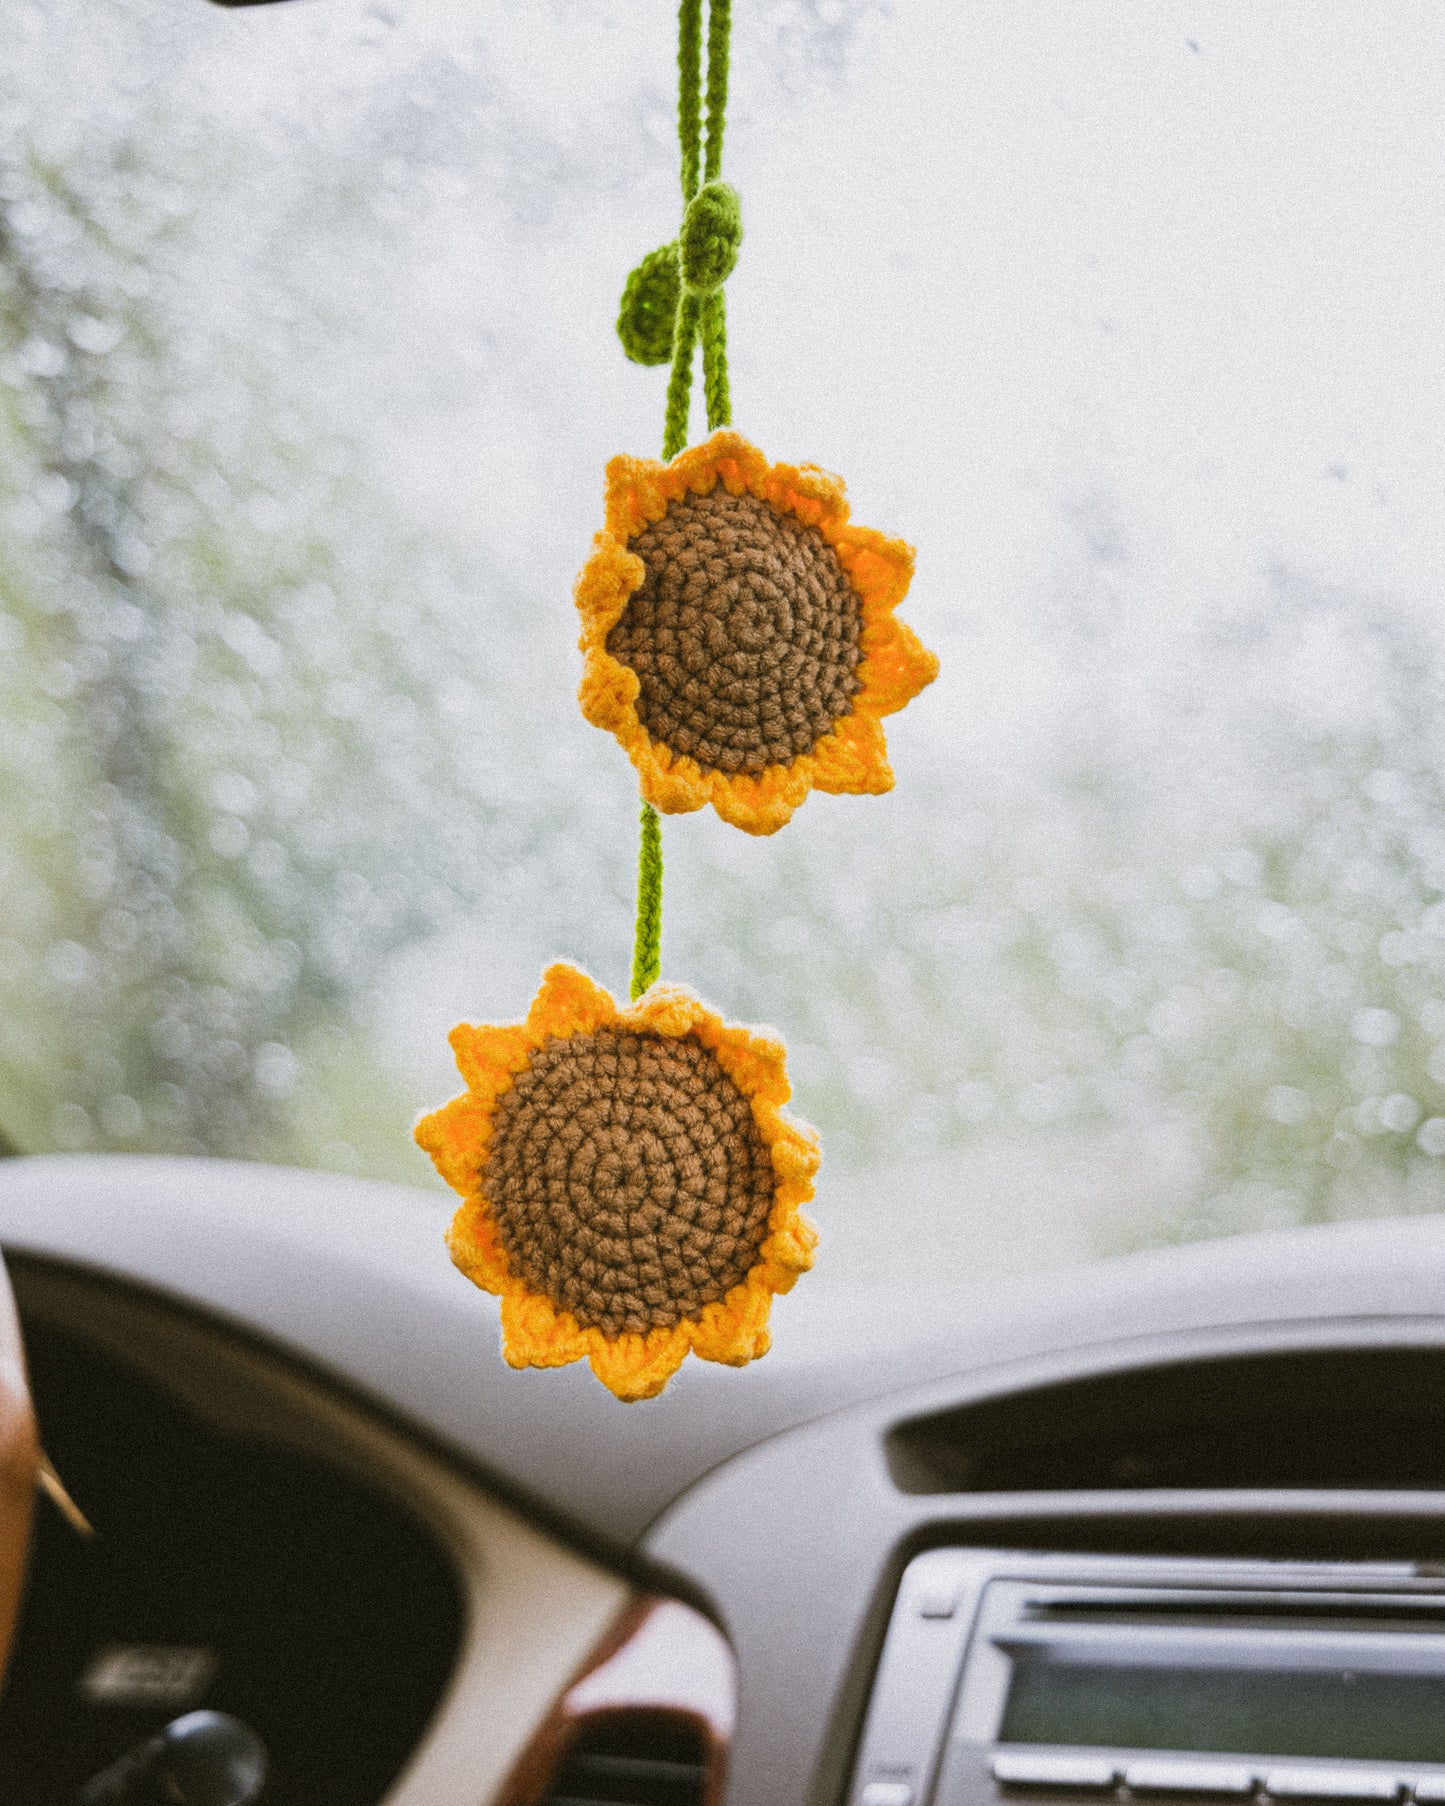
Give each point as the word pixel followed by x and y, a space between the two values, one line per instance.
pixel 994 252
pixel 1160 272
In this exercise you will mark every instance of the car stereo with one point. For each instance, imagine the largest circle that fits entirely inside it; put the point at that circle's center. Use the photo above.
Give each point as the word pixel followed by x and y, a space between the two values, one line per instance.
pixel 1016 1677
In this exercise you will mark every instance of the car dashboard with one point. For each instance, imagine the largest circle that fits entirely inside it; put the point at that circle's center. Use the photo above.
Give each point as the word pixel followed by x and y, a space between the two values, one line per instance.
pixel 918 1557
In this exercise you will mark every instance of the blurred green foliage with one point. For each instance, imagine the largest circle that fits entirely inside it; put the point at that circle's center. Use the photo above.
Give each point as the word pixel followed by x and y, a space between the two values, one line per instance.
pixel 225 774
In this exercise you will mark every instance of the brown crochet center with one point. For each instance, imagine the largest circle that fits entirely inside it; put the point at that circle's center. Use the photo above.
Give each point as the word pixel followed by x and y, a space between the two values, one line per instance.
pixel 743 634
pixel 628 1179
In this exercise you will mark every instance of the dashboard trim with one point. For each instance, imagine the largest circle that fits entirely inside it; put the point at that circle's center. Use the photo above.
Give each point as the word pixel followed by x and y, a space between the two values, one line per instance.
pixel 533 1609
pixel 660 1658
pixel 821 1501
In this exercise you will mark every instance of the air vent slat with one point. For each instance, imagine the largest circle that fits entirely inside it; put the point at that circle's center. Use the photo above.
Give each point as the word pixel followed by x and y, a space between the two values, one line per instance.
pixel 633 1759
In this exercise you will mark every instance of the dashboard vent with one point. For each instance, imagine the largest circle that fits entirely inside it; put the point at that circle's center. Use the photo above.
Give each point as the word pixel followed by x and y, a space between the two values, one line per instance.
pixel 1317 1419
pixel 633 1758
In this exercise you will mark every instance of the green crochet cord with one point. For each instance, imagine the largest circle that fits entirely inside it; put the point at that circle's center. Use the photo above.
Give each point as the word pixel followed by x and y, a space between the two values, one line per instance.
pixel 698 316
pixel 719 27
pixel 647 950
pixel 689 94
pixel 703 317
pixel 679 383
pixel 715 360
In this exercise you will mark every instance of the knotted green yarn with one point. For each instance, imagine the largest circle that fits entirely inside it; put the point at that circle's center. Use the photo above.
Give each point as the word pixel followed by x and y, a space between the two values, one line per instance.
pixel 712 230
pixel 673 300
pixel 649 307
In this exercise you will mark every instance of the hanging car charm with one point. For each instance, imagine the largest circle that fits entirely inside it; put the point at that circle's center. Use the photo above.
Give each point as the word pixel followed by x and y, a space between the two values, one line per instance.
pixel 631 1185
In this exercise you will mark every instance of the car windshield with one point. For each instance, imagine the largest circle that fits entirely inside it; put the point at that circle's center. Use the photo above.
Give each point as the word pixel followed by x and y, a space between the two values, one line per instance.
pixel 1127 315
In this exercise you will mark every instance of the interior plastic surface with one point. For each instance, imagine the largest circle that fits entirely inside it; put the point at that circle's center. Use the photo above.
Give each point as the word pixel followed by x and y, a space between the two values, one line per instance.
pixel 318 1611
pixel 1319 1418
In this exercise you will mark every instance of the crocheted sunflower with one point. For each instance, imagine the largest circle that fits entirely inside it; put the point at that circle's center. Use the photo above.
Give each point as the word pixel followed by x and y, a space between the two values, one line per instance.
pixel 630 1184
pixel 739 633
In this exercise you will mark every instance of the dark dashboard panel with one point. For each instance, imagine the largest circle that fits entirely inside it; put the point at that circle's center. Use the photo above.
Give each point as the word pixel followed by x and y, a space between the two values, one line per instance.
pixel 1293 1419
pixel 305 1603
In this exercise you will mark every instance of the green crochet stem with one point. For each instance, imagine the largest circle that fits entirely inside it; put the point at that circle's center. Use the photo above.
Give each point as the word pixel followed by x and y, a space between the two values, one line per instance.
pixel 714 311
pixel 647 946
pixel 679 383
pixel 697 317
pixel 719 26
pixel 715 361
pixel 689 84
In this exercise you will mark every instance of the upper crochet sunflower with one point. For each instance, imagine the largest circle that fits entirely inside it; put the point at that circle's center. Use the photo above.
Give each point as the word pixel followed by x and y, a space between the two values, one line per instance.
pixel 739 633
pixel 630 1184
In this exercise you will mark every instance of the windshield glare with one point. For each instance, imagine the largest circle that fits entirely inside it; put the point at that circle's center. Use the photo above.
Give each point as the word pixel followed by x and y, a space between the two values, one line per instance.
pixel 1127 316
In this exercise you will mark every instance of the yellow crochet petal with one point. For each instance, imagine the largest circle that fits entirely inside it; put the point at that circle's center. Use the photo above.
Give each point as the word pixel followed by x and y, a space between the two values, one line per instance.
pixel 672 792
pixel 787 1255
pixel 896 666
pixel 726 457
pixel 604 584
pixel 456 1138
pixel 793 1239
pixel 795 1150
pixel 813 495
pixel 569 1003
pixel 853 759
pixel 472 1241
pixel 879 568
pixel 635 497
pixel 821 486
pixel 665 1009
pixel 670 782
pixel 735 1330
pixel 534 1334
pixel 489 1058
pixel 763 804
pixel 607 693
pixel 637 1367
pixel 756 1063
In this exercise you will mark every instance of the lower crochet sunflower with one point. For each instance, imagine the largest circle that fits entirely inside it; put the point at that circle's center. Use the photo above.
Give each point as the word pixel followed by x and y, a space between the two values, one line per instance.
pixel 630 1183
pixel 739 634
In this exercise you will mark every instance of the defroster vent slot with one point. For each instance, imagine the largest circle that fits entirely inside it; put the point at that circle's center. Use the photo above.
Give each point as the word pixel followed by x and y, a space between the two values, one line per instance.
pixel 633 1759
pixel 1362 1418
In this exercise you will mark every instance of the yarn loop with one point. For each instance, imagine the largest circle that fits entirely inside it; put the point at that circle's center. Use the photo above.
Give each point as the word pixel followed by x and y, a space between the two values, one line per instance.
pixel 712 231
pixel 649 307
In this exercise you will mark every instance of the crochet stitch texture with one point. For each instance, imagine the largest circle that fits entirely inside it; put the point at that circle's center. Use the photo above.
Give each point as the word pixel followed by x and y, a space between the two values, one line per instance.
pixel 744 633
pixel 628 1179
